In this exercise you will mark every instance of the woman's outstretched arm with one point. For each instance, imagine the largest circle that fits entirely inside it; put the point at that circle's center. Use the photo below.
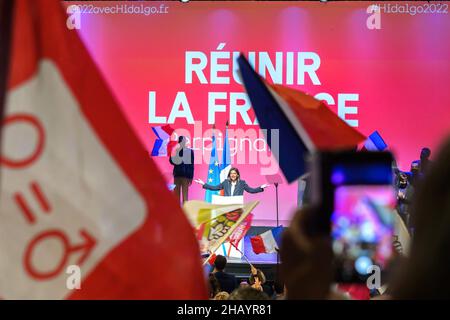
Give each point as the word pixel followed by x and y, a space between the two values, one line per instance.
pixel 211 187
pixel 208 186
pixel 254 190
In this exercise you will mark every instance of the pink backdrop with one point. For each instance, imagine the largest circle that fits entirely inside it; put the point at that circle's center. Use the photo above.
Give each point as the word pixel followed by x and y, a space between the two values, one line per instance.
pixel 400 72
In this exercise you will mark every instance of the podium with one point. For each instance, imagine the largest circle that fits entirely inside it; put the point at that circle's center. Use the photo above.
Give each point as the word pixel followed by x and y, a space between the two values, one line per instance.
pixel 227 200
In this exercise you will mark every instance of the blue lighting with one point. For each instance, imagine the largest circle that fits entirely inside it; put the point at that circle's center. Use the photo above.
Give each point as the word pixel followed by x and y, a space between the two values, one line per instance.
pixel 362 263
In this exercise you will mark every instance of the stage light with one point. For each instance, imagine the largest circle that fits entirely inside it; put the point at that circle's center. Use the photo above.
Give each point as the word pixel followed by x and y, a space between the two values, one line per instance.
pixel 184 1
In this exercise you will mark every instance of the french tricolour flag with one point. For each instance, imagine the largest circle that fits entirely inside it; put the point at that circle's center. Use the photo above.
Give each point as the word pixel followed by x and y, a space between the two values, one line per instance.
pixel 78 190
pixel 267 242
pixel 375 142
pixel 307 123
pixel 226 157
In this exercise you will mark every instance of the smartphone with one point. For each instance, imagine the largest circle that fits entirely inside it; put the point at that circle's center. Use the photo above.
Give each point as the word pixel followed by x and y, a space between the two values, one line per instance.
pixel 356 197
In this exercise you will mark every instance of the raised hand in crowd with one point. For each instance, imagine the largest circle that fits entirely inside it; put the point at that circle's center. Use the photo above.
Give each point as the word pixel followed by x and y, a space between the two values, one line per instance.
pixel 307 260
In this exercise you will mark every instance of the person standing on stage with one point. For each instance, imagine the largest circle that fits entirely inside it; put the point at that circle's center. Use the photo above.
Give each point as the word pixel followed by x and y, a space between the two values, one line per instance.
pixel 183 168
pixel 424 161
pixel 233 185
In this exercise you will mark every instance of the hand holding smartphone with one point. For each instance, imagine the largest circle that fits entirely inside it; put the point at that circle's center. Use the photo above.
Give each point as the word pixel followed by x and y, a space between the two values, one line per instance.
pixel 355 193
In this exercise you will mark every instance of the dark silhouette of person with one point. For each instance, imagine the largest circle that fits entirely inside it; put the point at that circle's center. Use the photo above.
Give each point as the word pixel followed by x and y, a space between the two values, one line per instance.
pixel 422 166
pixel 227 281
pixel 183 169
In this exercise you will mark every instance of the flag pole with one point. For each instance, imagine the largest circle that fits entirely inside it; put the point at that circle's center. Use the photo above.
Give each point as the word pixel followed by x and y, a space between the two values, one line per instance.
pixel 223 151
pixel 278 224
pixel 243 254
pixel 229 248
pixel 221 193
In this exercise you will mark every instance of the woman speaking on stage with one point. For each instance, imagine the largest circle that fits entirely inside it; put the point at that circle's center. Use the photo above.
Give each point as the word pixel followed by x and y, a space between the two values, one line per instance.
pixel 233 185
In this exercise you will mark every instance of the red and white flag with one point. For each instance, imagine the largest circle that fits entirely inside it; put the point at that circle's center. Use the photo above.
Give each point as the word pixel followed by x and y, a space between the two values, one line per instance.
pixel 240 232
pixel 77 186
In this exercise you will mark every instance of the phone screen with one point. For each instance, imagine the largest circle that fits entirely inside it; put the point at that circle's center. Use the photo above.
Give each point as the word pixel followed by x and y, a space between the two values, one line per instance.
pixel 362 228
pixel 362 222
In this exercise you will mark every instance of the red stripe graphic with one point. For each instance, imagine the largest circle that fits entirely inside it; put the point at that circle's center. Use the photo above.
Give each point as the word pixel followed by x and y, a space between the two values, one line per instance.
pixel 40 197
pixel 25 210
